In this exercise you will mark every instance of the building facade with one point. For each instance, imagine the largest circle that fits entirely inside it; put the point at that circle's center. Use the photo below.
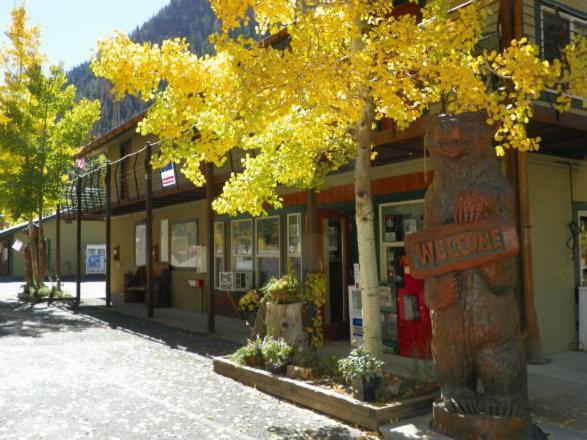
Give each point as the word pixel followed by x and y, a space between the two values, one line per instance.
pixel 316 231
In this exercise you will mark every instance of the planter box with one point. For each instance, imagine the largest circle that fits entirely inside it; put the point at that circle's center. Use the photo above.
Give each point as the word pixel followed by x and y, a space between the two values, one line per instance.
pixel 324 400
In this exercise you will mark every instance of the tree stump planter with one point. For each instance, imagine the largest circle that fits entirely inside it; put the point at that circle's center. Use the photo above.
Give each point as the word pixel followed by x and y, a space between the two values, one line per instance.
pixel 286 321
pixel 325 400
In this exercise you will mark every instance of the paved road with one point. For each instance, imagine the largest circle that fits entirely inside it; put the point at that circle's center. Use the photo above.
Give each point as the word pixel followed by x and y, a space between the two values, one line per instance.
pixel 100 375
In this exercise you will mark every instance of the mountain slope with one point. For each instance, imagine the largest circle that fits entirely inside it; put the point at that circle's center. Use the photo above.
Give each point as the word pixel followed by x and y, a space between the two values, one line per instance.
pixel 192 19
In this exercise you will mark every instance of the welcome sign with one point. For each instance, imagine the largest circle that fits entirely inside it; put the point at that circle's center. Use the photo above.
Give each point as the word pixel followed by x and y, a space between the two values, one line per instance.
pixel 458 246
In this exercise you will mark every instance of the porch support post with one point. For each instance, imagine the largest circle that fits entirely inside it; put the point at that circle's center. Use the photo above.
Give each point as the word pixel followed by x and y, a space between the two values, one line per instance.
pixel 209 175
pixel 149 210
pixel 108 182
pixel 517 173
pixel 310 243
pixel 78 275
pixel 58 246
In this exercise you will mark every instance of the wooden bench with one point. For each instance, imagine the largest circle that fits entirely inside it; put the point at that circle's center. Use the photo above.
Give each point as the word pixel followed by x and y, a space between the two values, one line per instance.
pixel 135 285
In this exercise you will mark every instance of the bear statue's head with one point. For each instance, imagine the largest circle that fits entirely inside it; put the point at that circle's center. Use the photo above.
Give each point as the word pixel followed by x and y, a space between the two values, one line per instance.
pixel 456 137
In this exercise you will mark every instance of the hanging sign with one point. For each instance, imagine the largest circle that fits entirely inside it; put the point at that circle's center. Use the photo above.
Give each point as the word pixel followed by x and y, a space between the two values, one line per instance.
pixel 17 245
pixel 168 176
pixel 441 249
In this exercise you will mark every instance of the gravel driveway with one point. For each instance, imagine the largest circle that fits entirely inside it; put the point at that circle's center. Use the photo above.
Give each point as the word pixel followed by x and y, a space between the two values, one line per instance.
pixel 100 375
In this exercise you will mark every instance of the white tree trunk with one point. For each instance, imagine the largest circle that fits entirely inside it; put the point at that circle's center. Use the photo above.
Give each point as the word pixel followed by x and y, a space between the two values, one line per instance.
pixel 33 252
pixel 365 216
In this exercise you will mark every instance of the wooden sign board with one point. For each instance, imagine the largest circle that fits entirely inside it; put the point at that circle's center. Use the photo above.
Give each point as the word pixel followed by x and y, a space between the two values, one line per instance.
pixel 458 246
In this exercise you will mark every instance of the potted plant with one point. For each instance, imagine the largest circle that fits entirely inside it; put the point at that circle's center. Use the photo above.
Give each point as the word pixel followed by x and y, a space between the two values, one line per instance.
pixel 285 289
pixel 249 354
pixel 363 371
pixel 249 304
pixel 277 354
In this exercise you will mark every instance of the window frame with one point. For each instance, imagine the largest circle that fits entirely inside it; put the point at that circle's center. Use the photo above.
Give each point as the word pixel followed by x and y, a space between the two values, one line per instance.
pixel 300 253
pixel 563 14
pixel 233 254
pixel 384 245
pixel 219 255
pixel 265 254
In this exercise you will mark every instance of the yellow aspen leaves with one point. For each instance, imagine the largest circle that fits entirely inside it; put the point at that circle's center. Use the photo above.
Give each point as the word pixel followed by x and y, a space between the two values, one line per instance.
pixel 286 114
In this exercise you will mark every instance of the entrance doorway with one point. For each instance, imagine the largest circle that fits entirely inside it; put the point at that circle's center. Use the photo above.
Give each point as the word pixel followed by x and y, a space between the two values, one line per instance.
pixel 333 230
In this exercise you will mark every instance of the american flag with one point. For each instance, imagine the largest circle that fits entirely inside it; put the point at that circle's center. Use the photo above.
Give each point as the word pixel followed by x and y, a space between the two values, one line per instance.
pixel 80 163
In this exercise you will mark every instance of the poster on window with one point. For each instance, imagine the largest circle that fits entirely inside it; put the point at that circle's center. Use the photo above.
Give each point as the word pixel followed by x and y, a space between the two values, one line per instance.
pixel 95 264
pixel 184 245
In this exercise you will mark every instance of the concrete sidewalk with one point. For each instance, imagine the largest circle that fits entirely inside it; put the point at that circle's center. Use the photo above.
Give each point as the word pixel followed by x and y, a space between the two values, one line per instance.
pixel 558 401
pixel 235 330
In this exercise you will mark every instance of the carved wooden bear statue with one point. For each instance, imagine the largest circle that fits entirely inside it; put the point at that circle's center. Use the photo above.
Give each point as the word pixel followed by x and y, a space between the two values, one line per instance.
pixel 475 324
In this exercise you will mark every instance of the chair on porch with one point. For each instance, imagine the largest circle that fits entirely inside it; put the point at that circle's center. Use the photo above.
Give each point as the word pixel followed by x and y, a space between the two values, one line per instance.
pixel 135 285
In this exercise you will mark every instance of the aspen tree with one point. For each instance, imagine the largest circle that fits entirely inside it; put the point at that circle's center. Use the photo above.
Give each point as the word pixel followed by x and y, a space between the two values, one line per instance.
pixel 41 127
pixel 310 106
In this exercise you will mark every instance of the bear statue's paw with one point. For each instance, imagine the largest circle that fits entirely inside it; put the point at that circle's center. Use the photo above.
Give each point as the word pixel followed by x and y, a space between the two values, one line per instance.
pixel 443 291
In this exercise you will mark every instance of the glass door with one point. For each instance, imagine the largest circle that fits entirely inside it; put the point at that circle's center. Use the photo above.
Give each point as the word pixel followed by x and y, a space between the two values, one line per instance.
pixel 333 230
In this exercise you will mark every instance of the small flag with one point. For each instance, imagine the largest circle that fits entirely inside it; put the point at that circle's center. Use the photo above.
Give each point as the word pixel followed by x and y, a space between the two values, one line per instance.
pixel 80 163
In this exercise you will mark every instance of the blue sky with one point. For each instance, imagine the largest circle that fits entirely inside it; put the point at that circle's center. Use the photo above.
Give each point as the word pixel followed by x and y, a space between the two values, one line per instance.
pixel 70 28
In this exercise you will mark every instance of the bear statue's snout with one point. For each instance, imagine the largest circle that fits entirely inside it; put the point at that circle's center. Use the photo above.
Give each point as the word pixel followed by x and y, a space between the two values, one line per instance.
pixel 450 137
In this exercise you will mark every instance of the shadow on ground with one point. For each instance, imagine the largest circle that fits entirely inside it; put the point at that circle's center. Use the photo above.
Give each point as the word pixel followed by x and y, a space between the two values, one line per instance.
pixel 200 343
pixel 327 432
pixel 21 320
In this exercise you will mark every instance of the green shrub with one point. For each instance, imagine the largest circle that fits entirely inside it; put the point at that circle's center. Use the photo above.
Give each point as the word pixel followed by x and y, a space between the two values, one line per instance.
pixel 360 364
pixel 249 354
pixel 276 352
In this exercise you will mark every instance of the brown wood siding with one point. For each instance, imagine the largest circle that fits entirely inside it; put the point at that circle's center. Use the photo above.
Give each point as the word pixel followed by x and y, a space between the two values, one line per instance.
pixel 345 193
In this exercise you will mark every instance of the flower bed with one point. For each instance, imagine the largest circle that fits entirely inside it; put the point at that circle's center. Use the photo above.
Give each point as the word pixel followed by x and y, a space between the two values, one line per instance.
pixel 331 398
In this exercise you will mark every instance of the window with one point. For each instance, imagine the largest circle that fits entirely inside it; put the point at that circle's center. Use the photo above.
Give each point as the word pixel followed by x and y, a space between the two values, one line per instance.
pixel 242 245
pixel 218 250
pixel 294 243
pixel 558 28
pixel 140 244
pixel 396 221
pixel 184 242
pixel 268 249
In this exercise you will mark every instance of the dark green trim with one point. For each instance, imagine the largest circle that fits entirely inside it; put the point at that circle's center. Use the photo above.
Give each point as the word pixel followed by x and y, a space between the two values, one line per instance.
pixel 347 206
pixel 287 210
pixel 578 206
pixel 399 197
pixel 538 27
pixel 566 9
